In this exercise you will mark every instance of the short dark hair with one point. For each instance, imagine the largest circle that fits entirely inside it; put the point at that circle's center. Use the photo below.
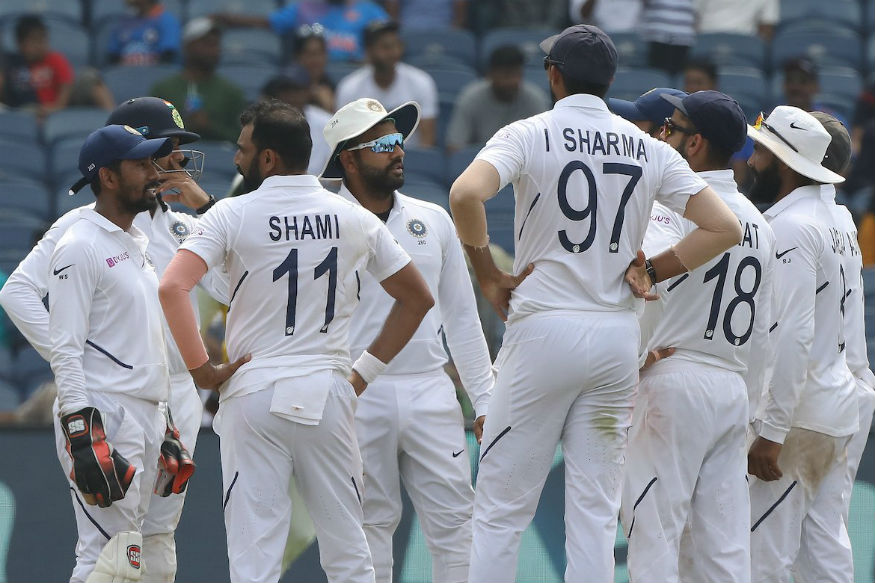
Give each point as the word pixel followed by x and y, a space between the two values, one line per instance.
pixel 717 156
pixel 282 128
pixel 506 57
pixel 704 65
pixel 303 35
pixel 576 86
pixel 375 30
pixel 277 85
pixel 95 184
pixel 28 24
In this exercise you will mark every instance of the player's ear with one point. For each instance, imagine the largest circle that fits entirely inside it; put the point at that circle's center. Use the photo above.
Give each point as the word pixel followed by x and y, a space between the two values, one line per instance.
pixel 107 177
pixel 345 158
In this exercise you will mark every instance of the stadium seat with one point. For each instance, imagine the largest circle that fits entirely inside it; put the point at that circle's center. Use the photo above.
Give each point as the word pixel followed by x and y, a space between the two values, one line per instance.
pixel 19 230
pixel 839 47
pixel 31 370
pixel 526 39
pixel 251 46
pixel 844 12
pixel 64 203
pixel 10 396
pixel 337 70
pixel 26 197
pixel 458 161
pixel 69 9
pixel 499 218
pixel 66 36
pixel 250 78
pixel 446 105
pixel 631 83
pixel 18 125
pixel 731 49
pixel 29 160
pixel 537 77
pixel 218 158
pixel 129 82
pixel 745 84
pixel 73 122
pixel 425 163
pixel 64 160
pixel 450 83
pixel 631 50
pixel 428 61
pixel 427 190
pixel 198 8
pixel 9 260
pixel 448 43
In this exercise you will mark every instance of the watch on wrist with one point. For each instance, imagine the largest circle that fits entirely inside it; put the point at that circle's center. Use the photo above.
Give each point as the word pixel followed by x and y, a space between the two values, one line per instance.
pixel 207 205
pixel 648 266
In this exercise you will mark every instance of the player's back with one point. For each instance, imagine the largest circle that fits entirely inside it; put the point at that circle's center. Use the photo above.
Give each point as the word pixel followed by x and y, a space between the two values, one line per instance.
pixel 584 181
pixel 710 315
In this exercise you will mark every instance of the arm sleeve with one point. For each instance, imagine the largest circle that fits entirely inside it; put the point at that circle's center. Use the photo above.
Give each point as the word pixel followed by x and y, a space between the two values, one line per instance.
pixel 211 235
pixel 678 181
pixel 506 152
pixel 762 347
pixel 794 288
pixel 386 257
pixel 70 297
pixel 22 296
pixel 462 324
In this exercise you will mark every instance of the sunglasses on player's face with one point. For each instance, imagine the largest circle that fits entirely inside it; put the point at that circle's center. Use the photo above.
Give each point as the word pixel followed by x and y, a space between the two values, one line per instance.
pixel 382 144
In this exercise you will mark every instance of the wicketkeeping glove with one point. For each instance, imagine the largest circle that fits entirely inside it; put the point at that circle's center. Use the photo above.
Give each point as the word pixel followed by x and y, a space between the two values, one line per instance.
pixel 175 465
pixel 101 473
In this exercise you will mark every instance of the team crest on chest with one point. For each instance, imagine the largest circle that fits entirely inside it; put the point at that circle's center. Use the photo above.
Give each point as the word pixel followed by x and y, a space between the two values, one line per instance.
pixel 180 230
pixel 417 228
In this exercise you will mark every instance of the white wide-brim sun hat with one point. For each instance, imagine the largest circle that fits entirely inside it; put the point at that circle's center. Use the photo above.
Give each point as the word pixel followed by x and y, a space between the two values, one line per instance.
pixel 798 140
pixel 354 119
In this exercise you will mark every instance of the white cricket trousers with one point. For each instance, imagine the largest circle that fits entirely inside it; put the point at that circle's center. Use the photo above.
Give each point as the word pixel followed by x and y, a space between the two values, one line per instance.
pixel 566 377
pixel 135 428
pixel 260 452
pixel 825 553
pixel 410 428
pixel 685 468
pixel 159 526
pixel 780 508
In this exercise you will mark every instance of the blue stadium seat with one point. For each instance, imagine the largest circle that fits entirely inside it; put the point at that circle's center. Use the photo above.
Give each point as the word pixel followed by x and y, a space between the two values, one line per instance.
pixel 27 197
pixel 427 190
pixel 631 50
pixel 18 125
pixel 69 9
pixel 839 47
pixel 450 83
pixel 844 12
pixel 66 36
pixel 337 70
pixel 10 396
pixel 499 218
pixel 19 230
pixel 73 122
pixel 526 39
pixel 425 163
pixel 64 159
pixel 458 161
pixel 129 82
pixel 29 160
pixel 428 61
pixel 448 43
pixel 250 78
pixel 64 203
pixel 731 49
pixel 251 46
pixel 746 85
pixel 218 158
pixel 9 260
pixel 839 87
pixel 632 83
pixel 537 77
pixel 30 369
pixel 198 8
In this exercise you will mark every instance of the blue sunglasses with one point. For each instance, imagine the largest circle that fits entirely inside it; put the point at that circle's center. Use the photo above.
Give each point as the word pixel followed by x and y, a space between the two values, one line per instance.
pixel 382 144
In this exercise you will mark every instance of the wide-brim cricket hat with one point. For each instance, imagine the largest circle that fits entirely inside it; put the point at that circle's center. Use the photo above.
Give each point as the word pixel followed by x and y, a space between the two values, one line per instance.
pixel 354 119
pixel 798 140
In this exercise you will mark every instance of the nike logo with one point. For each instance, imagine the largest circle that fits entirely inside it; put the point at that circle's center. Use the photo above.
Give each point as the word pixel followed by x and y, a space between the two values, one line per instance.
pixel 796 127
pixel 458 453
pixel 57 271
pixel 779 255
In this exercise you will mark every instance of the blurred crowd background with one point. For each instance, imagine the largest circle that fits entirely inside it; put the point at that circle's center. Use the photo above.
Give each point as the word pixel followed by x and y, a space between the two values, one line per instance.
pixel 472 65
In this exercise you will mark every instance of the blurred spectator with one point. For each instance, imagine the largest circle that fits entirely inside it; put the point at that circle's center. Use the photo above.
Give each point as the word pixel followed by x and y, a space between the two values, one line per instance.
pixel 293 87
pixel 36 76
pixel 211 103
pixel 310 51
pixel 864 114
pixel 700 75
pixel 801 86
pixel 89 90
pixel 344 22
pixel 530 14
pixel 649 111
pixel 609 15
pixel 486 106
pixel 392 82
pixel 668 26
pixel 150 35
pixel 428 14
pixel 753 17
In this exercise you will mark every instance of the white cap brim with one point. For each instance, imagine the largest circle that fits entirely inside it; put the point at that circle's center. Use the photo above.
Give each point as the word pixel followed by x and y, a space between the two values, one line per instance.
pixel 794 160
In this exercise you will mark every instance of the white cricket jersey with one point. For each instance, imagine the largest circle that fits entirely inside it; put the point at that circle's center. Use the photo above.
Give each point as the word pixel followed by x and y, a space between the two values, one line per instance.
pixel 854 309
pixel 426 232
pixel 22 295
pixel 104 317
pixel 292 250
pixel 811 386
pixel 720 313
pixel 566 165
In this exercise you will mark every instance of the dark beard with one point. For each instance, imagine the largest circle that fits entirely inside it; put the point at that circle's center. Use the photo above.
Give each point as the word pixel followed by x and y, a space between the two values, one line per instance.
pixel 765 185
pixel 252 178
pixel 380 181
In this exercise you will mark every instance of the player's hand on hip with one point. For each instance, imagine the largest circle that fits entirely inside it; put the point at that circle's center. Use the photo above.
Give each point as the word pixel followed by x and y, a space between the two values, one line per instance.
pixel 762 459
pixel 211 376
pixel 638 278
pixel 179 187
pixel 496 288
pixel 478 427
pixel 358 383
pixel 656 355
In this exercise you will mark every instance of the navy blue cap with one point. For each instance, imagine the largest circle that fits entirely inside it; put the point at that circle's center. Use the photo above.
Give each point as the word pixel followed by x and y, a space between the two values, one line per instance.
pixel 717 116
pixel 648 107
pixel 113 143
pixel 582 52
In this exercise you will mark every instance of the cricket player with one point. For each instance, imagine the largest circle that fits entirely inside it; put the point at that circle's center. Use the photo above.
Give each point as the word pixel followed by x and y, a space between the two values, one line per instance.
pixel 687 462
pixel 106 346
pixel 409 422
pixel 584 181
pixel 649 111
pixel 22 298
pixel 295 253
pixel 825 547
pixel 810 408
